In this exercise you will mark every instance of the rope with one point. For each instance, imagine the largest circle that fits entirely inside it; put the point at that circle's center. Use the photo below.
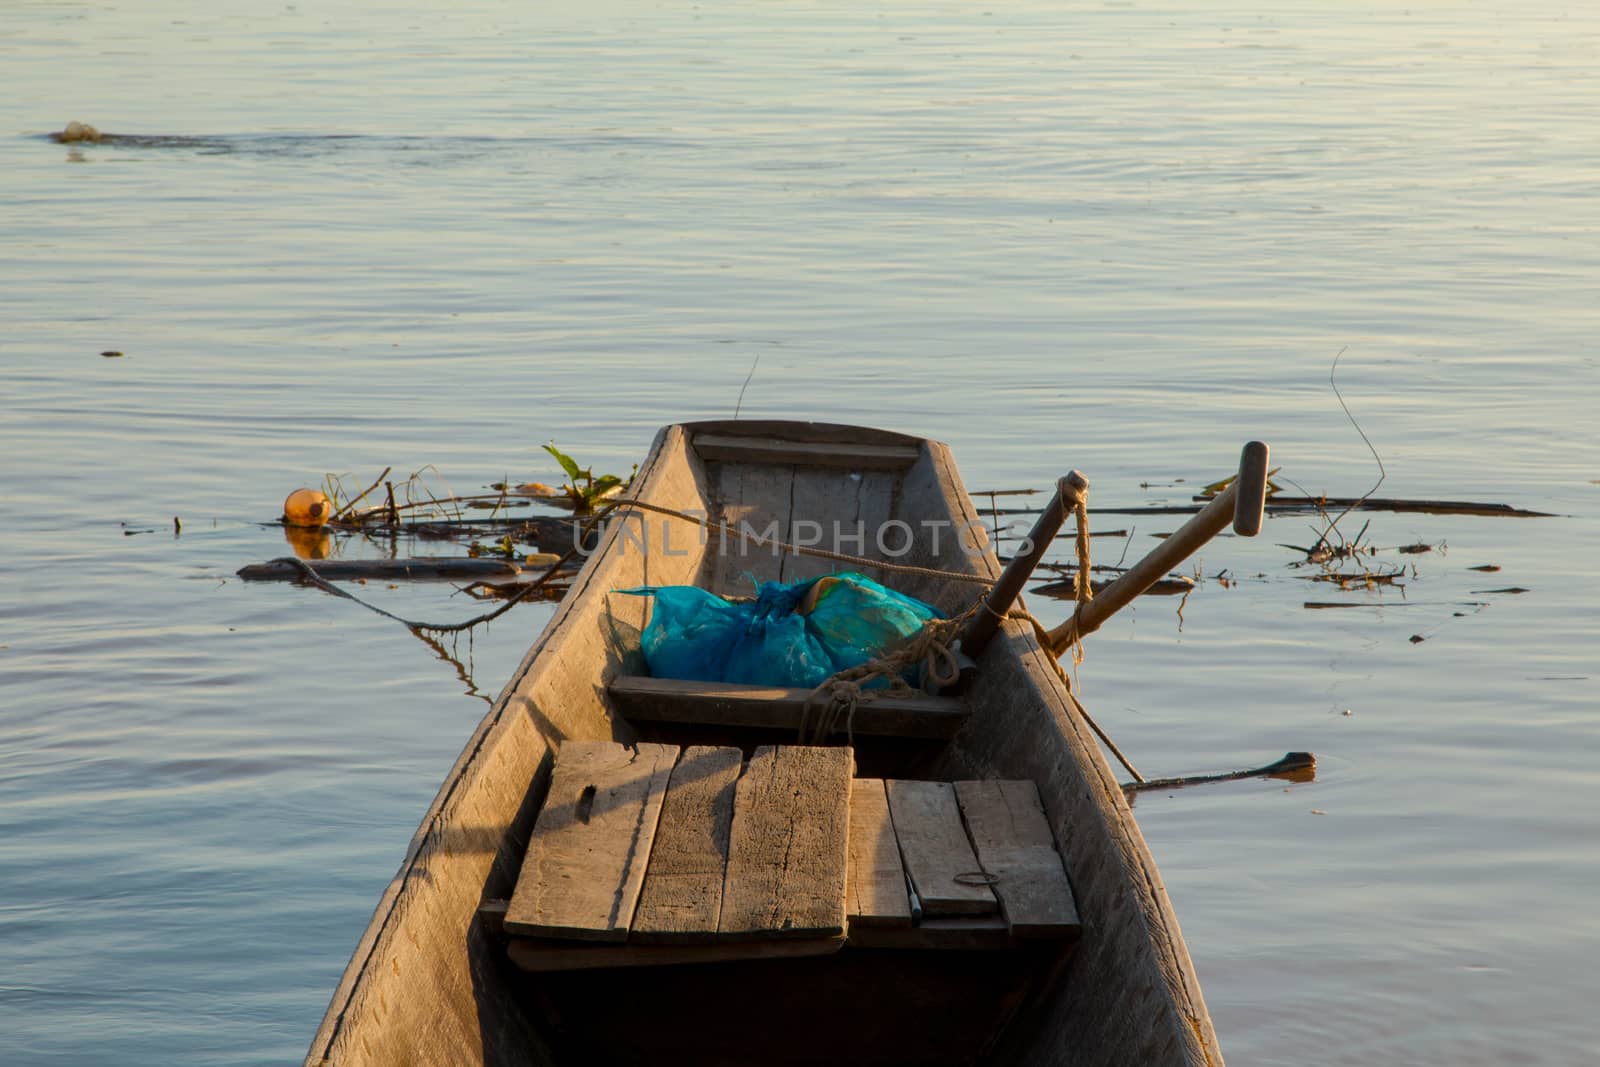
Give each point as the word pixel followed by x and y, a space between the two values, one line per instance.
pixel 799 550
pixel 838 697
pixel 1083 592
pixel 1042 635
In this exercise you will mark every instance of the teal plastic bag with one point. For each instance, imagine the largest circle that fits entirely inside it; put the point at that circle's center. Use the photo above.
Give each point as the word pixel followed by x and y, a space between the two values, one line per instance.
pixel 795 635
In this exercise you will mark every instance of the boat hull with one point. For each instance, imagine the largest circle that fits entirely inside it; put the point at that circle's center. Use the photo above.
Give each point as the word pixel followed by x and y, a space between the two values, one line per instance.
pixel 429 982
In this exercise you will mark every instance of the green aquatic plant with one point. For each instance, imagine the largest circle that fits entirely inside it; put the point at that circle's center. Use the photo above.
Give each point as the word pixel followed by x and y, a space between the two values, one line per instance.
pixel 583 489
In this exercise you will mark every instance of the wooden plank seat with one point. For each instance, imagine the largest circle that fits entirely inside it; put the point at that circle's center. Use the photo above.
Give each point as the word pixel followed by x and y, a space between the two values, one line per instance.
pixel 655 856
pixel 725 704
pixel 848 455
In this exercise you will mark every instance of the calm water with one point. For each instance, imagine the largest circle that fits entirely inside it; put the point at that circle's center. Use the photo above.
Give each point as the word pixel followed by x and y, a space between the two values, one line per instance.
pixel 1123 237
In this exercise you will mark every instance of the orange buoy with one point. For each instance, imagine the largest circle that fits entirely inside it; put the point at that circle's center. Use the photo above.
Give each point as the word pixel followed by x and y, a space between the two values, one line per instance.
pixel 306 507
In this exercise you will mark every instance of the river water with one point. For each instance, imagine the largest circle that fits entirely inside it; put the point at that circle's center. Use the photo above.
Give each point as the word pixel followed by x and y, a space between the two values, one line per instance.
pixel 1123 237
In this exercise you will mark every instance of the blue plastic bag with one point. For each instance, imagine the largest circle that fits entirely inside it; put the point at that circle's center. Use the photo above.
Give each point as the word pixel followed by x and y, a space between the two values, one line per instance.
pixel 795 635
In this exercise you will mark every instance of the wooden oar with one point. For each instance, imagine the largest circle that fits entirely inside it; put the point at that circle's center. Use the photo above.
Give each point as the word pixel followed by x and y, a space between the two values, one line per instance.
pixel 975 636
pixel 1241 504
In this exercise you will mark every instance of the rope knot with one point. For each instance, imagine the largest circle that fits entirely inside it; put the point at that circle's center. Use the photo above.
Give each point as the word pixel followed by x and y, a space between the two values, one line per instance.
pixel 838 697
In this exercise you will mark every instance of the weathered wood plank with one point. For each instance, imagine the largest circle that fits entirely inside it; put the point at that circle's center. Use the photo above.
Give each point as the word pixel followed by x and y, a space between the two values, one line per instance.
pixel 387 570
pixel 753 499
pixel 935 849
pixel 875 893
pixel 725 704
pixel 791 430
pixel 1012 838
pixel 844 513
pixel 681 900
pixel 787 855
pixel 587 856
pixel 980 933
pixel 852 455
pixel 537 955
pixel 492 915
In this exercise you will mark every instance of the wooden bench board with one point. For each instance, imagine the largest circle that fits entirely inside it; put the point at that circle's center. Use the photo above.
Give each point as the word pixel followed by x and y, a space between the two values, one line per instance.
pixel 545 954
pixel 876 887
pixel 787 855
pixel 586 859
pixel 987 933
pixel 1012 838
pixel 646 857
pixel 681 900
pixel 934 846
pixel 775 707
pixel 849 455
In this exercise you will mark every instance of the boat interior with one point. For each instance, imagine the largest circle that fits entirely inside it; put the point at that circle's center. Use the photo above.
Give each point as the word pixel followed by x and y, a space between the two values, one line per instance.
pixel 453 960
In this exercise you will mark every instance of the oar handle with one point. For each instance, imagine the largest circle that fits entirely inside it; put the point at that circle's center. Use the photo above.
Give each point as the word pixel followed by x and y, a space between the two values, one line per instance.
pixel 1250 489
pixel 1241 504
pixel 975 636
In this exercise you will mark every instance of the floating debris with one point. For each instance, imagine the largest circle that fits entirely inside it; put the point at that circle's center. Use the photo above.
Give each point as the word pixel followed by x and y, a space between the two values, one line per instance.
pixel 1172 585
pixel 1298 767
pixel 306 507
pixel 76 132
pixel 1297 505
pixel 360 570
pixel 1359 580
pixel 516 590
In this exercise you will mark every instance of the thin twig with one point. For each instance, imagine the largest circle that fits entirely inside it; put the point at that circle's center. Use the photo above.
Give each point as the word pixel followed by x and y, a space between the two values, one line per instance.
pixel 416 481
pixel 740 402
pixel 518 597
pixel 313 578
pixel 1126 545
pixel 1382 474
pixel 348 508
pixel 463 672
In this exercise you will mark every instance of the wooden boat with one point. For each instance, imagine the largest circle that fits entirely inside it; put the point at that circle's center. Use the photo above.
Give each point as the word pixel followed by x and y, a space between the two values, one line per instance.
pixel 430 982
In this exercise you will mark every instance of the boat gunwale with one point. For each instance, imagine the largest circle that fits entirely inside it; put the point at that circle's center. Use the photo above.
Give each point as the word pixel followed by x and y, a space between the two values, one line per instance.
pixel 345 993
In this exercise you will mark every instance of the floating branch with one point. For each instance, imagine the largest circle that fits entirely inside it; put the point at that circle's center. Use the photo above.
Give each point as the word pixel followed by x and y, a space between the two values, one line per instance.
pixel 1297 505
pixel 1294 766
pixel 1294 505
pixel 1361 580
pixel 516 590
pixel 387 570
pixel 1283 504
pixel 1171 585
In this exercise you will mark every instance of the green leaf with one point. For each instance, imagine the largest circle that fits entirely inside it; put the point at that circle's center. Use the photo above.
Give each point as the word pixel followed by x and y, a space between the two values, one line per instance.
pixel 568 464
pixel 602 485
